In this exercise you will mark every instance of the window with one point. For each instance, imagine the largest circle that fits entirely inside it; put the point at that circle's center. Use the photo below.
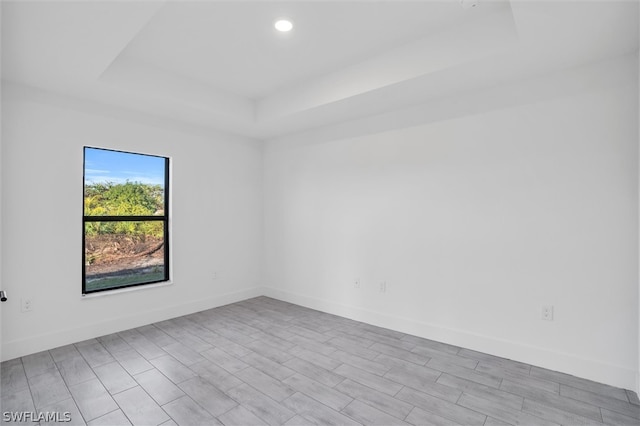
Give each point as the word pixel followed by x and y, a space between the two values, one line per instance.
pixel 126 220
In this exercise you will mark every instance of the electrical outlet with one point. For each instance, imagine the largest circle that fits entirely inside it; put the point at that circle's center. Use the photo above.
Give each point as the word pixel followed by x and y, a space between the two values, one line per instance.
pixel 546 313
pixel 356 284
pixel 26 305
pixel 214 275
pixel 383 287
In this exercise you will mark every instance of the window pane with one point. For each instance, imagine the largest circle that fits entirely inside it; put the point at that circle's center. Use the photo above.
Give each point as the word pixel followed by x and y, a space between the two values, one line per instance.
pixel 123 184
pixel 123 253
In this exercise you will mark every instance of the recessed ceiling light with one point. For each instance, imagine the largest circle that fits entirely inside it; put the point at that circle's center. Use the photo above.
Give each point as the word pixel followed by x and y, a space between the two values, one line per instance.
pixel 283 25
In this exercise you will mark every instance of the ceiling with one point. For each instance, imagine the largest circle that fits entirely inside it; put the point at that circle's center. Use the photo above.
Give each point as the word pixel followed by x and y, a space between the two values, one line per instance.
pixel 220 64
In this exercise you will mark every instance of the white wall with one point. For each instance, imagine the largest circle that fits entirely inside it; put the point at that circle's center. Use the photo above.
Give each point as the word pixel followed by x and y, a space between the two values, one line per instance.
pixel 216 220
pixel 474 223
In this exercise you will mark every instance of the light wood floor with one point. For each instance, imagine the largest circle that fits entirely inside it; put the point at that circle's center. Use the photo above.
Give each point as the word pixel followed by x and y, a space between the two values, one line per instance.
pixel 263 361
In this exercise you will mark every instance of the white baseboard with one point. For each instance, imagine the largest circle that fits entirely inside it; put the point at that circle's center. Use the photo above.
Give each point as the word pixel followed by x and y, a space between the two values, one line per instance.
pixel 567 363
pixel 613 375
pixel 21 347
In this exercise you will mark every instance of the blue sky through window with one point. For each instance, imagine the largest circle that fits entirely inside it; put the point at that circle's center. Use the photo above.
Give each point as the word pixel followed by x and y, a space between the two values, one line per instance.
pixel 101 165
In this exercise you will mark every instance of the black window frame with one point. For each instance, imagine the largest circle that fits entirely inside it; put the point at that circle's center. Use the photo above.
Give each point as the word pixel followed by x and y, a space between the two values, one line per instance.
pixel 164 218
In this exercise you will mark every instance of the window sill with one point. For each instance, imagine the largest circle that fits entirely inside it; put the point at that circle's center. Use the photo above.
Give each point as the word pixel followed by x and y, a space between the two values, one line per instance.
pixel 126 290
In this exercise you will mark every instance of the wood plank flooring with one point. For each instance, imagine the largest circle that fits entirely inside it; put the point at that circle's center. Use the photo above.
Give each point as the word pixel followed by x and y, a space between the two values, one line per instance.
pixel 267 362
